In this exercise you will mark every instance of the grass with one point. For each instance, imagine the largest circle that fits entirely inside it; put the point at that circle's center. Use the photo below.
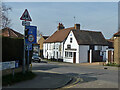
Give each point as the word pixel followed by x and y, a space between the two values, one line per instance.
pixel 112 64
pixel 18 77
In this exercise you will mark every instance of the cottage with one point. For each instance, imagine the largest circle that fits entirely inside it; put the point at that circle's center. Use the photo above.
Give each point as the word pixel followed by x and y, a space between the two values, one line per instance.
pixel 83 46
pixel 53 46
pixel 75 45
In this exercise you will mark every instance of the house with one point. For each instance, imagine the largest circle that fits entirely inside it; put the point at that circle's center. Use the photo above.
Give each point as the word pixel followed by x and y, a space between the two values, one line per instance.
pixel 61 47
pixel 53 47
pixel 117 47
pixel 8 32
pixel 40 42
pixel 82 46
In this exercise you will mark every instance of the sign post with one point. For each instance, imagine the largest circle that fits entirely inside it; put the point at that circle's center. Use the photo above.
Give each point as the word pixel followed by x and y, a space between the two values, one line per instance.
pixel 25 17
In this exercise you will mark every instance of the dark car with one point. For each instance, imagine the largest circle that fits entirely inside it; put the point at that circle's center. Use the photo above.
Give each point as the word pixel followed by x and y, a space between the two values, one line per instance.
pixel 36 58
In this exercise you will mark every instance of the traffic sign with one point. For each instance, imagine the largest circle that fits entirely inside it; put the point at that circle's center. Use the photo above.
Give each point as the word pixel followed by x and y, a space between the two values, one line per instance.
pixel 28 47
pixel 25 23
pixel 31 38
pixel 32 35
pixel 26 16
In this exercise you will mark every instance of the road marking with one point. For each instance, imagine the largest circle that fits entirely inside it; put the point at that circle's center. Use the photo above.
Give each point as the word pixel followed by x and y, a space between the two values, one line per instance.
pixel 45 71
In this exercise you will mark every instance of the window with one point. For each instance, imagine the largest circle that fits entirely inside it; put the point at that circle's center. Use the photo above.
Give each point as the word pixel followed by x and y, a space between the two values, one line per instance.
pixel 68 54
pixel 99 47
pixel 68 46
pixel 70 40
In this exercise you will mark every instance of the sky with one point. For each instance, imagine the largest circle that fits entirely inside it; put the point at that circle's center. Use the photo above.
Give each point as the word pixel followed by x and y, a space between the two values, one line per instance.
pixel 94 16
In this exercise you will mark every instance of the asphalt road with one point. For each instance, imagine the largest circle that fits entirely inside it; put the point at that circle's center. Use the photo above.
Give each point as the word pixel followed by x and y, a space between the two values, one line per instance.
pixel 92 76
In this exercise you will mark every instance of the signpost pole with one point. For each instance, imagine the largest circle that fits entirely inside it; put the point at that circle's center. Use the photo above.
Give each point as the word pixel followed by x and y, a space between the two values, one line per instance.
pixel 23 68
pixel 28 60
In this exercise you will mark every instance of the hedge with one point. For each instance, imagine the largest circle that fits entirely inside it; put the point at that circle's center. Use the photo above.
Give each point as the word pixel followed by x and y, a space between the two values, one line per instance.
pixel 12 49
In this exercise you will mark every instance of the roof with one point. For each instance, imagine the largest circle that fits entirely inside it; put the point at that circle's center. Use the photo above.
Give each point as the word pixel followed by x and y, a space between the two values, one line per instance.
pixel 117 34
pixel 8 32
pixel 85 37
pixel 59 35
pixel 110 43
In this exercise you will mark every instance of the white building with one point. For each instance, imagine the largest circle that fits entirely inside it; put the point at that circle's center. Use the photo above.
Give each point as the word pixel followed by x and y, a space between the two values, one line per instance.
pixel 53 47
pixel 75 45
pixel 83 46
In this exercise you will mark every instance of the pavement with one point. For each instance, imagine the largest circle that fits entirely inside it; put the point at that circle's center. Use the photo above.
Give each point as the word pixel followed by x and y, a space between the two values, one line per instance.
pixel 43 79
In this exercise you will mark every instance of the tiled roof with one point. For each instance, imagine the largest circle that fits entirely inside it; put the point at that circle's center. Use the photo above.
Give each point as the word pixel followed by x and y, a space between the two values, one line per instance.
pixel 8 32
pixel 85 37
pixel 117 34
pixel 59 35
pixel 82 37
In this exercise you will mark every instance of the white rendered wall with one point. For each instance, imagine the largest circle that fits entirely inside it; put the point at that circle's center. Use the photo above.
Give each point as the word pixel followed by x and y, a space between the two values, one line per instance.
pixel 52 52
pixel 74 45
pixel 83 55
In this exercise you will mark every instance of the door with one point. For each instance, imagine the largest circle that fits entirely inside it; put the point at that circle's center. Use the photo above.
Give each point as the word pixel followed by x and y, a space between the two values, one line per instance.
pixel 74 57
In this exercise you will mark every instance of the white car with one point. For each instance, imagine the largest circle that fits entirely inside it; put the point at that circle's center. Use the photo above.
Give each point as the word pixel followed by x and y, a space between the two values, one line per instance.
pixel 36 58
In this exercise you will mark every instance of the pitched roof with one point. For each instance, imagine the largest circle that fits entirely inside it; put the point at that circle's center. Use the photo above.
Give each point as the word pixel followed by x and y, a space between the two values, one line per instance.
pixel 117 34
pixel 8 32
pixel 84 37
pixel 59 35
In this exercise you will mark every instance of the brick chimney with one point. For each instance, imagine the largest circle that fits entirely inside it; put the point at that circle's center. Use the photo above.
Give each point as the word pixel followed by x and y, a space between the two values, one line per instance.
pixel 77 26
pixel 60 26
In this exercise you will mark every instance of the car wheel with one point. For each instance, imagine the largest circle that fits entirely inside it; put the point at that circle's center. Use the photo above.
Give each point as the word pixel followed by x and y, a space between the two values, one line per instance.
pixel 39 61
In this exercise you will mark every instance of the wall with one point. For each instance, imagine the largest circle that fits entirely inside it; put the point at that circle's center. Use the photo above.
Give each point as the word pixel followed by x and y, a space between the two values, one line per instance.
pixel 117 50
pixel 103 51
pixel 41 40
pixel 74 45
pixel 83 55
pixel 53 49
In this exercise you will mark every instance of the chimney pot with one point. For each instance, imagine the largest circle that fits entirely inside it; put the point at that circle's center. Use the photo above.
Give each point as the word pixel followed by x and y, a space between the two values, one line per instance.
pixel 60 26
pixel 77 26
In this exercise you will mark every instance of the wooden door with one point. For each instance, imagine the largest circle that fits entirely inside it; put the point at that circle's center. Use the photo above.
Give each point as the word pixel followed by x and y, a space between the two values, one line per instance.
pixel 74 57
pixel 109 56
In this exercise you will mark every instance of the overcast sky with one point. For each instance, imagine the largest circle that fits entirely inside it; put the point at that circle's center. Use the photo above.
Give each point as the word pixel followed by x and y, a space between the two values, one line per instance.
pixel 97 16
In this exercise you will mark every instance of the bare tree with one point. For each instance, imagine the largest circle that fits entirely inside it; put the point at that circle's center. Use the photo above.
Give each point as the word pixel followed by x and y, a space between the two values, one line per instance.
pixel 4 10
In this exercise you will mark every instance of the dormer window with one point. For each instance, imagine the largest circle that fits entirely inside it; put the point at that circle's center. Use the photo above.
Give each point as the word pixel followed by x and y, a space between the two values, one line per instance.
pixel 70 40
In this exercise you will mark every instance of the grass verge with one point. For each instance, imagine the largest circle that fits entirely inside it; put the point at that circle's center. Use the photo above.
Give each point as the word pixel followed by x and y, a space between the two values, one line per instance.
pixel 18 77
pixel 112 64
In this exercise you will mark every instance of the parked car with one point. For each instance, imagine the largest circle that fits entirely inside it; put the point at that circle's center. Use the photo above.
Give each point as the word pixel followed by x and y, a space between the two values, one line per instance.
pixel 36 58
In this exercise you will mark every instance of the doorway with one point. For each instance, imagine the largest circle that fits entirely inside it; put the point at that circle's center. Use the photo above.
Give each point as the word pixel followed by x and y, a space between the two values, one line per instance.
pixel 74 57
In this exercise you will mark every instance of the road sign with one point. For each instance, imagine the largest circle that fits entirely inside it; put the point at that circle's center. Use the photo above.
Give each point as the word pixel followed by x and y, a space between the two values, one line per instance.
pixel 32 35
pixel 31 38
pixel 26 16
pixel 25 23
pixel 28 47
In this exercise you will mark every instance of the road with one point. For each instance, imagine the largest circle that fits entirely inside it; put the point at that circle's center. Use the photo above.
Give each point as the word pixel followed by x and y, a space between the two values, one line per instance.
pixel 90 76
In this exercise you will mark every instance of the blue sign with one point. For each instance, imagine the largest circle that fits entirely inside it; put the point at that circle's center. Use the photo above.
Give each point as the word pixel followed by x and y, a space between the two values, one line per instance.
pixel 32 35
pixel 29 47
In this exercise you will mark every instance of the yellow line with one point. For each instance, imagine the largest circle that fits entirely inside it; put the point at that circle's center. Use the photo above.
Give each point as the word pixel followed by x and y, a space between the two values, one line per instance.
pixel 45 71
